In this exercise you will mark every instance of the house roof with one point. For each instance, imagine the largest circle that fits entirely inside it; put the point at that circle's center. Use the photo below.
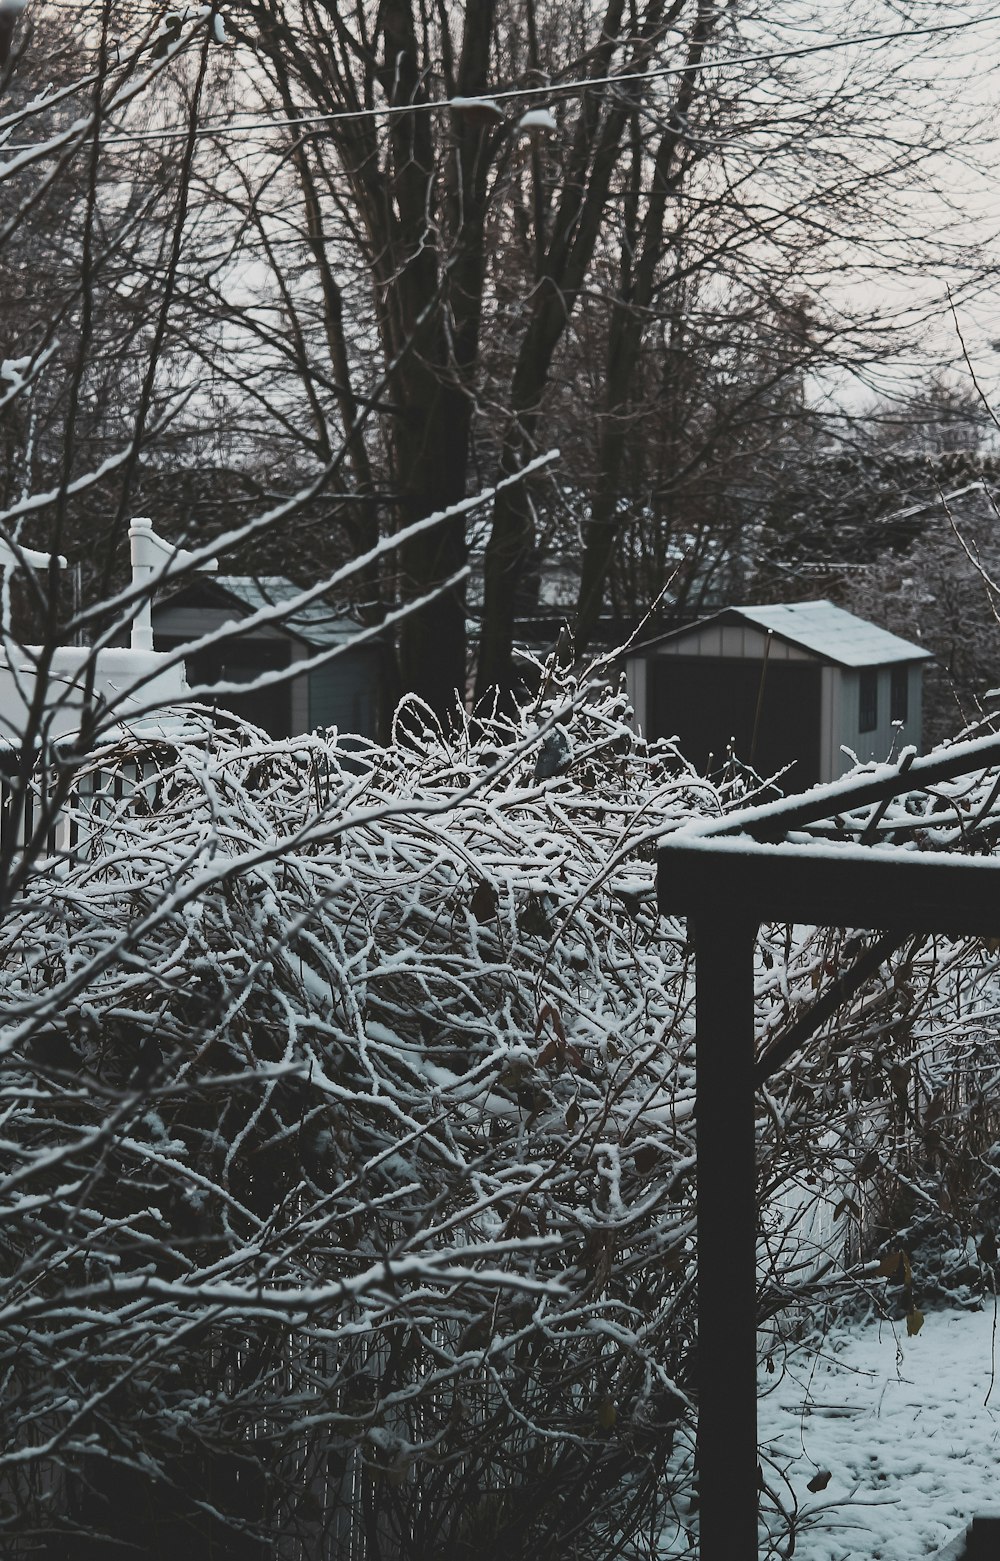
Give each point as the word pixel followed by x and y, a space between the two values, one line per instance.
pixel 317 623
pixel 820 628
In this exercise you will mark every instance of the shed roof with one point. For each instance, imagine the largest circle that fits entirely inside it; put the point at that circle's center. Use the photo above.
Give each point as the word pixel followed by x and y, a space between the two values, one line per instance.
pixel 317 623
pixel 821 628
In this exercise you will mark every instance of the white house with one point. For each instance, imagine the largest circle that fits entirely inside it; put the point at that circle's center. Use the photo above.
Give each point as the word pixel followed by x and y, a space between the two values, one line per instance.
pixel 804 684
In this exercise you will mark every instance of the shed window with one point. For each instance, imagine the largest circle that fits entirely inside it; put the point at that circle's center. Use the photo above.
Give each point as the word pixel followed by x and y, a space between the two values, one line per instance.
pixel 868 700
pixel 899 699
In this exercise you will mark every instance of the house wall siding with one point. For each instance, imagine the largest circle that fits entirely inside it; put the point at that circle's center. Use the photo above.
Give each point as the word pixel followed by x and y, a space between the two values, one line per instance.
pixel 300 693
pixel 732 640
pixel 885 741
pixel 190 623
pixel 636 687
pixel 344 693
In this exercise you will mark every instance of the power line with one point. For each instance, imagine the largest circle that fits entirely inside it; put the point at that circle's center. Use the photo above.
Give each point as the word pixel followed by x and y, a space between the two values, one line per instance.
pixel 552 90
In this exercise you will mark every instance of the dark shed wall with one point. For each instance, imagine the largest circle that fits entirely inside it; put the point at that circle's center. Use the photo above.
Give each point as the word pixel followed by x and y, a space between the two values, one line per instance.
pixel 710 703
pixel 241 661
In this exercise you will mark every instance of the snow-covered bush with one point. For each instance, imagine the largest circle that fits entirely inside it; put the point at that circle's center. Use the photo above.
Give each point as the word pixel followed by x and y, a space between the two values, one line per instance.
pixel 935 1193
pixel 347 1146
pixel 347 1153
pixel 879 1141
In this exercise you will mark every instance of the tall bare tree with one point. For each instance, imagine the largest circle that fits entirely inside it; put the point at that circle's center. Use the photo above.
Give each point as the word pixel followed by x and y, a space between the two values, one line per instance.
pixel 630 232
pixel 688 150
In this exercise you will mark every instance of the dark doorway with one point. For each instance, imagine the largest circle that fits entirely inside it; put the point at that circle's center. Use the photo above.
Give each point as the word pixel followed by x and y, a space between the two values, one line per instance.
pixel 710 704
pixel 241 661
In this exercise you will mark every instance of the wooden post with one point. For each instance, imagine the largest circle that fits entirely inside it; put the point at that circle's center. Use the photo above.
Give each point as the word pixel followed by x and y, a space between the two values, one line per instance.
pixel 726 882
pixel 727 1230
pixel 984 1538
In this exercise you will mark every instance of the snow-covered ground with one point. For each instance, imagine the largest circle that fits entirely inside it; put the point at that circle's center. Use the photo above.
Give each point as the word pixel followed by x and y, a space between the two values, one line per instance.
pixel 899 1436
pixel 909 1430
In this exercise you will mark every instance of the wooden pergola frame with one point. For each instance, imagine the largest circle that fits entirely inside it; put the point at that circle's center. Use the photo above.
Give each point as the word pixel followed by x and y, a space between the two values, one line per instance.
pixel 727 876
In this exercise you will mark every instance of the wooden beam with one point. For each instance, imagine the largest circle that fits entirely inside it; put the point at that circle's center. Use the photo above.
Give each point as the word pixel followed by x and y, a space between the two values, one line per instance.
pixel 726 885
pixel 772 820
pixel 830 886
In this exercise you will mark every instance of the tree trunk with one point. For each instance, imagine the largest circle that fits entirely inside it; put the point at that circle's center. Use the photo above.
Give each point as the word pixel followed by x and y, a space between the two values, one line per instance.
pixel 578 224
pixel 625 346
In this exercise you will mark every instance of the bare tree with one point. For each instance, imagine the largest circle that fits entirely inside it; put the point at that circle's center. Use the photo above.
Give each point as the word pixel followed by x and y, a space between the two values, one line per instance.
pixel 680 157
pixel 346 1169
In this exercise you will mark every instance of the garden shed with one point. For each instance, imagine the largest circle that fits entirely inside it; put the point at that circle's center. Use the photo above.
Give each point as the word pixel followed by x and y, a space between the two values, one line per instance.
pixel 799 683
pixel 342 692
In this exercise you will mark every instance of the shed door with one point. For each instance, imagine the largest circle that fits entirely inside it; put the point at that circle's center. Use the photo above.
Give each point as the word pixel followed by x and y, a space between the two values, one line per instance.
pixel 709 703
pixel 240 661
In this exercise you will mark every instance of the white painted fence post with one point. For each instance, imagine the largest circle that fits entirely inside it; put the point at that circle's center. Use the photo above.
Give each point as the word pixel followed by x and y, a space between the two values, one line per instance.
pixel 154 557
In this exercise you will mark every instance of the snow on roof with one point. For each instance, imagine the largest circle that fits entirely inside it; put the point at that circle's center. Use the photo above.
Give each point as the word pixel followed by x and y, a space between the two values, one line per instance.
pixel 831 632
pixel 818 627
pixel 317 623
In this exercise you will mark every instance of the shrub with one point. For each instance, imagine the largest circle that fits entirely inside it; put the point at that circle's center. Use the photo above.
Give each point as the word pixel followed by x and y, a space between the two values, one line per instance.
pixel 346 1167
